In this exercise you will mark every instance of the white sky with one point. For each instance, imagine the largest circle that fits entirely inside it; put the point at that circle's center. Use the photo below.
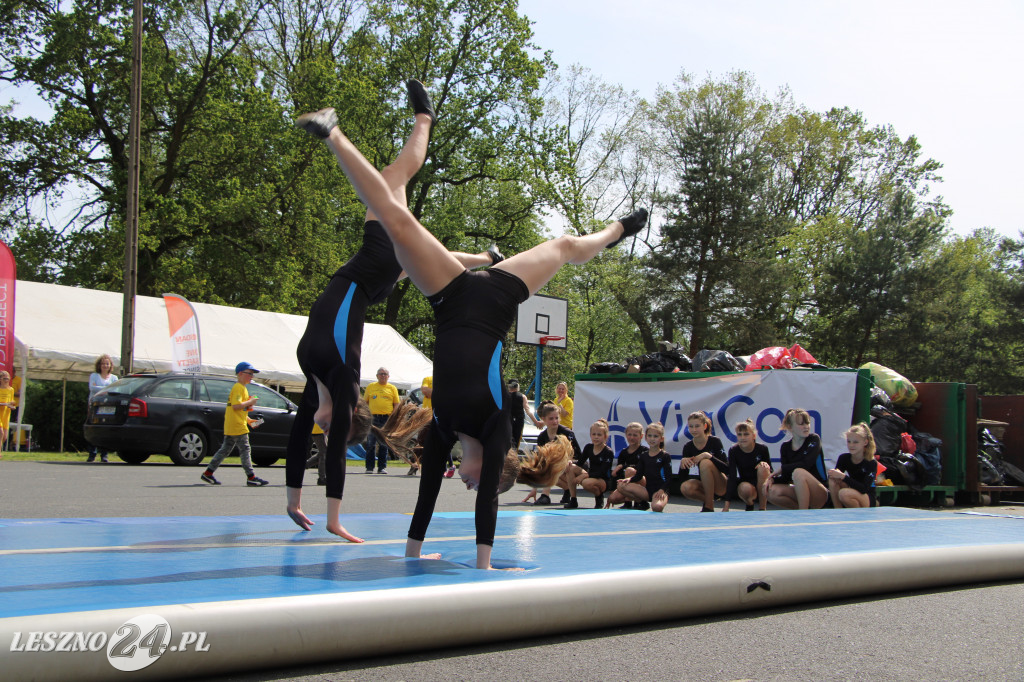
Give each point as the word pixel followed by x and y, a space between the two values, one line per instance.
pixel 947 72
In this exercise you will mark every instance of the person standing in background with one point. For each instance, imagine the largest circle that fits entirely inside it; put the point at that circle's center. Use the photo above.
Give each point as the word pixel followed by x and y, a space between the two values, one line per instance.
pixel 6 405
pixel 98 381
pixel 427 389
pixel 565 405
pixel 383 399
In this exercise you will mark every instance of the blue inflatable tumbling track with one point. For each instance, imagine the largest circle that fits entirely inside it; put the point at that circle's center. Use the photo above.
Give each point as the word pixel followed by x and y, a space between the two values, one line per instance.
pixel 185 596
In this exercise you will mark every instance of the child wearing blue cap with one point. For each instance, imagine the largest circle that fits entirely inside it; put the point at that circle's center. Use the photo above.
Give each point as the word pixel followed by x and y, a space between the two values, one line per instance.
pixel 236 427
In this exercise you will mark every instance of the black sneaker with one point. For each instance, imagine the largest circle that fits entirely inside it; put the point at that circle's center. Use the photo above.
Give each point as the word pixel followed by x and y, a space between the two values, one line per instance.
pixel 573 503
pixel 321 481
pixel 642 506
pixel 419 100
pixel 495 255
pixel 631 224
pixel 318 123
pixel 598 501
pixel 208 477
pixel 749 507
pixel 628 505
pixel 256 482
pixel 565 497
pixel 542 499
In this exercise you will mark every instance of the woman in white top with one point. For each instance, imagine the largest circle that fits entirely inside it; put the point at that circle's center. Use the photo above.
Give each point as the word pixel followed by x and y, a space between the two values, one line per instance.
pixel 98 381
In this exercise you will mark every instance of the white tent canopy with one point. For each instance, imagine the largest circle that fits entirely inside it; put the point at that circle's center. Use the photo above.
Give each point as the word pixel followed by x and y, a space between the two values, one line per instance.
pixel 60 331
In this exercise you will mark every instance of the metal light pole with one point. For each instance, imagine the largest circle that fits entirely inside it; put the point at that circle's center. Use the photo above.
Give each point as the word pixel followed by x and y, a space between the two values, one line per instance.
pixel 131 238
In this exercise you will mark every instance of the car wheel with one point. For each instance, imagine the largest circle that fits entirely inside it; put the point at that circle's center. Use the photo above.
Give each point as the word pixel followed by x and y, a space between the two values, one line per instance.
pixel 264 460
pixel 133 457
pixel 188 447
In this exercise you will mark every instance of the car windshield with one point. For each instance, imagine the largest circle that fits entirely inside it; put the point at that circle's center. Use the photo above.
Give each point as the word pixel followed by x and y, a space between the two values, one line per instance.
pixel 128 385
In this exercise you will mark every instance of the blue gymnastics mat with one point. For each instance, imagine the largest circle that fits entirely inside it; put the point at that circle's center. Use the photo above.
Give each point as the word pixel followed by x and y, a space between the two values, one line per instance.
pixel 263 593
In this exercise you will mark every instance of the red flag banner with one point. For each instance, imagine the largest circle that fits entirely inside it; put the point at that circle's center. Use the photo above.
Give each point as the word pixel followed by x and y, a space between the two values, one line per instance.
pixel 184 326
pixel 8 279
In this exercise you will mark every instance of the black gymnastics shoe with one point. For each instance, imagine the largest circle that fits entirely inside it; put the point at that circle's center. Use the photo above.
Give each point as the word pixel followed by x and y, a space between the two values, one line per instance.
pixel 419 100
pixel 495 255
pixel 631 224
pixel 318 123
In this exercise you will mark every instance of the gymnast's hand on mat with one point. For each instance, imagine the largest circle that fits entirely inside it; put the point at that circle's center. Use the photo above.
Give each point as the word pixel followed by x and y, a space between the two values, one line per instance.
pixel 300 519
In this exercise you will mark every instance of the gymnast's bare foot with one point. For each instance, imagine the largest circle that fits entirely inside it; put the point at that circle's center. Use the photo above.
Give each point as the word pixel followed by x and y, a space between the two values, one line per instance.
pixel 432 555
pixel 339 530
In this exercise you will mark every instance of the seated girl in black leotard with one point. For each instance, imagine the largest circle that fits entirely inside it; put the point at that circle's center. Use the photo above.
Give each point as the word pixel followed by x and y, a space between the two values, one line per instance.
pixel 852 482
pixel 474 311
pixel 329 351
pixel 593 471
pixel 705 452
pixel 750 465
pixel 648 489
pixel 800 482
pixel 625 465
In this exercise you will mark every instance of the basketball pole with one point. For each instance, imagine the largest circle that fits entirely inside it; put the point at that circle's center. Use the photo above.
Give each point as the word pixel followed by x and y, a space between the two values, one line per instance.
pixel 540 367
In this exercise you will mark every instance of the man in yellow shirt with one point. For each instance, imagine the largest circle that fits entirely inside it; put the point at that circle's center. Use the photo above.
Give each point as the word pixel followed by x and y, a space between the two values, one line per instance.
pixel 236 427
pixel 382 398
pixel 565 405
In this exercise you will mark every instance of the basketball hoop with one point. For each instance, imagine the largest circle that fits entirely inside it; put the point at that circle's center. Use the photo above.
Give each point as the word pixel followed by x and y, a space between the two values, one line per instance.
pixel 544 339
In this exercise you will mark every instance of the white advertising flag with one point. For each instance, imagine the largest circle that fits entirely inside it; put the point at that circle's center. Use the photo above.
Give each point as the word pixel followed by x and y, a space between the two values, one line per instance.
pixel 184 325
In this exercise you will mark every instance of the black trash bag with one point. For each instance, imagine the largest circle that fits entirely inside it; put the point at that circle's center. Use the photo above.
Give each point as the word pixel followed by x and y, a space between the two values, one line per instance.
pixel 887 427
pixel 930 457
pixel 607 368
pixel 992 449
pixel 988 474
pixel 716 361
pixel 674 352
pixel 903 469
pixel 653 363
pixel 880 397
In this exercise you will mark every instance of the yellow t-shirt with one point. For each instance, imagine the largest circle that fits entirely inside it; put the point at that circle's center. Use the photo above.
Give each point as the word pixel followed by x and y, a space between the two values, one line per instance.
pixel 6 396
pixel 236 421
pixel 381 398
pixel 565 404
pixel 316 429
pixel 429 383
pixel 16 385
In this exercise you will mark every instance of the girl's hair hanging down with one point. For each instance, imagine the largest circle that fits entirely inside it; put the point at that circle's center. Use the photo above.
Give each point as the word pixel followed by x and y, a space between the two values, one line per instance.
pixel 361 422
pixel 402 428
pixel 540 469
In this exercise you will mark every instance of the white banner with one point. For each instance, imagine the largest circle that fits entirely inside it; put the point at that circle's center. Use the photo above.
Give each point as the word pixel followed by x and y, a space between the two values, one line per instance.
pixel 186 355
pixel 728 399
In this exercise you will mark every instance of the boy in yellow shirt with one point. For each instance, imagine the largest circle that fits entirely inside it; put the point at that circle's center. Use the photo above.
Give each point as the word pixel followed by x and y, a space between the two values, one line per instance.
pixel 236 427
pixel 6 403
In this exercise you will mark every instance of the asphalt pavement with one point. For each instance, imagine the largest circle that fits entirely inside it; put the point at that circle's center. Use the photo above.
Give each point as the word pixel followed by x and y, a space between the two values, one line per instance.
pixel 972 632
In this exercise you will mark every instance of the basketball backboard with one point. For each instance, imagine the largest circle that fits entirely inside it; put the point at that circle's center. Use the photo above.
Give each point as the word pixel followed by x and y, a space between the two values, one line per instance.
pixel 541 316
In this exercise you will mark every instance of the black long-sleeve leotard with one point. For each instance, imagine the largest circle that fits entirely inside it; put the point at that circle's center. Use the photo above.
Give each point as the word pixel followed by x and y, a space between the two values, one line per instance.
pixel 743 467
pixel 657 469
pixel 330 351
pixel 859 475
pixel 714 448
pixel 808 457
pixel 598 464
pixel 473 313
